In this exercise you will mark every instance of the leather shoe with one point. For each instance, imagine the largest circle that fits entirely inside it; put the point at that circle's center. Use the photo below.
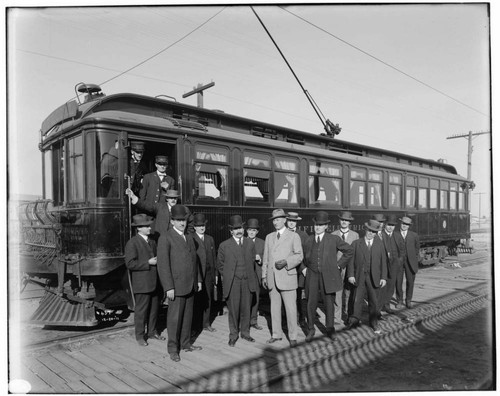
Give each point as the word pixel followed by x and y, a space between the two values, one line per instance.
pixel 352 323
pixel 293 343
pixel 256 326
pixel 330 333
pixel 310 335
pixel 232 342
pixel 175 357
pixel 400 305
pixel 409 305
pixel 210 329
pixel 388 309
pixel 377 330
pixel 248 338
pixel 192 348
pixel 273 340
pixel 142 342
pixel 156 337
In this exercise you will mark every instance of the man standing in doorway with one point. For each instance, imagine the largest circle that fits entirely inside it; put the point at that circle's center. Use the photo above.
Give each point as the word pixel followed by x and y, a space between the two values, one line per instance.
pixel 153 183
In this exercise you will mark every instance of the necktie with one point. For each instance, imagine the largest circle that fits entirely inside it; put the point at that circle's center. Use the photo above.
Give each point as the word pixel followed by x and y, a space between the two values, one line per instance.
pixel 239 243
pixel 318 240
pixel 278 236
pixel 369 245
pixel 343 235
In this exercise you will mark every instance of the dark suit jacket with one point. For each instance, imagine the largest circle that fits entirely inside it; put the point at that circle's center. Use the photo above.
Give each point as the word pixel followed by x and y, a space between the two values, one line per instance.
pixel 378 261
pixel 412 249
pixel 151 188
pixel 137 253
pixel 137 172
pixel 329 266
pixel 227 257
pixel 161 214
pixel 303 238
pixel 177 263
pixel 259 249
pixel 394 247
pixel 206 256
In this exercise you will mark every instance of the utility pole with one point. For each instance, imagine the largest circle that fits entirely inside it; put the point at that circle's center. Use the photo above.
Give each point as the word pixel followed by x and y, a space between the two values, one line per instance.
pixel 470 184
pixel 199 90
pixel 480 196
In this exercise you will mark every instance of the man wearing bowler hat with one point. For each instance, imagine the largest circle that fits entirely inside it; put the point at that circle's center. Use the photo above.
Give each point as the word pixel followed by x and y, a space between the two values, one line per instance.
pixel 323 273
pixel 236 263
pixel 180 279
pixel 137 167
pixel 153 183
pixel 292 218
pixel 140 259
pixel 282 254
pixel 206 258
pixel 394 247
pixel 380 217
pixel 411 243
pixel 368 272
pixel 252 231
pixel 343 301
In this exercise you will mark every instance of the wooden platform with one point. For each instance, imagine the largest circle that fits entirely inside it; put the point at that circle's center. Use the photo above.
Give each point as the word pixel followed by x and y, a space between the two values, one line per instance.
pixel 116 364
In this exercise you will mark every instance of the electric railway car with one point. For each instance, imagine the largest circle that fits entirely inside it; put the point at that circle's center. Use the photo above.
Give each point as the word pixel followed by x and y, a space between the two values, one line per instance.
pixel 223 165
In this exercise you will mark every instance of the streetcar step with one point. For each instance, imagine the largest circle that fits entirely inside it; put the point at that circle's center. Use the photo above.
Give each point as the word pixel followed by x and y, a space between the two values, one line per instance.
pixel 55 310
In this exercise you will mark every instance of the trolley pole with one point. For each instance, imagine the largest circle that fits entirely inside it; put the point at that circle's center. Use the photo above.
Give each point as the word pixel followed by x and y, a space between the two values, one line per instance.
pixel 199 91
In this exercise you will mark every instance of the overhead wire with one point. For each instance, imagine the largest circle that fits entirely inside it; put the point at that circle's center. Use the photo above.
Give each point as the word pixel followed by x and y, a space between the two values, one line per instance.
pixel 384 62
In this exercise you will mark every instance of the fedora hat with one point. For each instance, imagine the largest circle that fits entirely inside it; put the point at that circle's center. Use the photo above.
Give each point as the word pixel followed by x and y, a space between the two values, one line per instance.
pixel 373 225
pixel 379 217
pixel 161 159
pixel 137 146
pixel 321 217
pixel 277 213
pixel 171 194
pixel 253 223
pixel 199 220
pixel 346 216
pixel 179 212
pixel 392 220
pixel 236 221
pixel 141 220
pixel 293 216
pixel 405 220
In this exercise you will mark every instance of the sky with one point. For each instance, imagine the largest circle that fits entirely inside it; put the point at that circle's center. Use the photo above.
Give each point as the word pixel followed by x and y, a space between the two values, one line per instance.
pixel 400 77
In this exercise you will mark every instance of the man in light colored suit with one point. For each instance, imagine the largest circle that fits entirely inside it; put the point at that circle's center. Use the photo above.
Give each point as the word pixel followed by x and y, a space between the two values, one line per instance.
pixel 410 262
pixel 343 302
pixel 368 272
pixel 282 254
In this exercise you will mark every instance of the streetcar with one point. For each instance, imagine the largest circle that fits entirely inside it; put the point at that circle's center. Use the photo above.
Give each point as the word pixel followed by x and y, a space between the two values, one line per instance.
pixel 74 238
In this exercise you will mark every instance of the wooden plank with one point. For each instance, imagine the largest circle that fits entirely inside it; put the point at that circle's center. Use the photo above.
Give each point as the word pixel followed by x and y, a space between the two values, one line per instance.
pixel 134 381
pixel 118 355
pixel 47 375
pixel 97 385
pixel 115 383
pixel 88 362
pixel 95 352
pixel 80 387
pixel 158 383
pixel 73 364
pixel 170 376
pixel 56 366
pixel 37 384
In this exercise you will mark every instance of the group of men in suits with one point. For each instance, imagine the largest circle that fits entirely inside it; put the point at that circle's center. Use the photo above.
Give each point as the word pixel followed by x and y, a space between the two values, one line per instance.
pixel 340 268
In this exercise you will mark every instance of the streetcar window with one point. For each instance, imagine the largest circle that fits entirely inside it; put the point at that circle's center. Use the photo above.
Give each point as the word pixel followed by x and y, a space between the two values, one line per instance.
pixel 211 181
pixel 358 188
pixel 433 201
pixel 395 181
pixel 411 180
pixel 423 184
pixel 107 166
pixel 58 173
pixel 256 188
pixel 411 197
pixel 257 160
pixel 461 201
pixel 325 190
pixel 375 176
pixel 209 153
pixel 375 195
pixel 48 174
pixel 285 182
pixel 75 169
pixel 443 198
pixel 453 196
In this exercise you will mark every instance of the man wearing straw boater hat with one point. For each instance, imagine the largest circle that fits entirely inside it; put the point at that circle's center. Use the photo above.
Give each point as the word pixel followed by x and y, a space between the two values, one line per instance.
pixel 282 254
pixel 180 279
pixel 343 302
pixel 368 272
pixel 410 262
pixel 140 259
pixel 323 272
pixel 292 218
pixel 236 263
pixel 155 182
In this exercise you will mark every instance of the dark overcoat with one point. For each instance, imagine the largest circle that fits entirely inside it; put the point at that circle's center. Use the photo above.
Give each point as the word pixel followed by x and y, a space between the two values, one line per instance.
pixel 151 187
pixel 376 257
pixel 137 254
